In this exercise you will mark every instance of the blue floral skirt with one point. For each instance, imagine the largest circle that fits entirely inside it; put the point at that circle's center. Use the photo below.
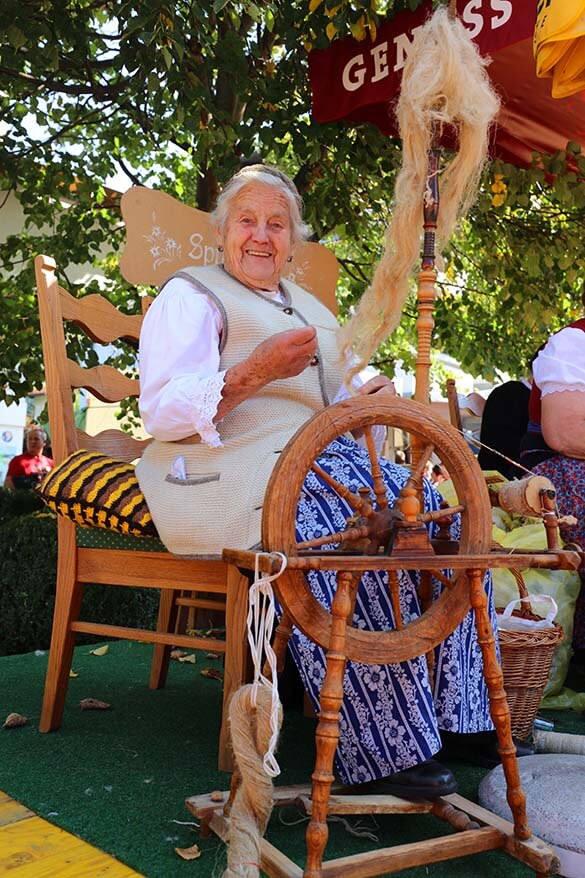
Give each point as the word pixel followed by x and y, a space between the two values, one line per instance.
pixel 390 718
pixel 568 476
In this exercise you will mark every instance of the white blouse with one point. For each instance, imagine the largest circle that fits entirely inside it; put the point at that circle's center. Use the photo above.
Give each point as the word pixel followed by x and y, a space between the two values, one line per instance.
pixel 180 381
pixel 560 365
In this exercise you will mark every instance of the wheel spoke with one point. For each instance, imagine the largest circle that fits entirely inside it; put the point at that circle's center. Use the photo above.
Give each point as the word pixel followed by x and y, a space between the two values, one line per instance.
pixel 425 590
pixel 377 480
pixel 447 581
pixel 394 586
pixel 360 504
pixel 415 478
pixel 438 514
pixel 342 536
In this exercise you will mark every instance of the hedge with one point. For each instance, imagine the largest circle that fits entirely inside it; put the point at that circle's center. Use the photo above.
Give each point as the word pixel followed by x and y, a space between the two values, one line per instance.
pixel 28 563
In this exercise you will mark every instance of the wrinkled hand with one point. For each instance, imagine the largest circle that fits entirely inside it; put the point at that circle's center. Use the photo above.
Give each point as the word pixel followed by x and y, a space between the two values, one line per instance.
pixel 284 355
pixel 378 384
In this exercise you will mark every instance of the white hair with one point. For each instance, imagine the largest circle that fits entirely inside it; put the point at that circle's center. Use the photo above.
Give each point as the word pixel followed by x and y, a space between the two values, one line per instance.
pixel 269 176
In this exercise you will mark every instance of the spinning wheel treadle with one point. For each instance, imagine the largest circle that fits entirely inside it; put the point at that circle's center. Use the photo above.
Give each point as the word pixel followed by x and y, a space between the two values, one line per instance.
pixel 376 529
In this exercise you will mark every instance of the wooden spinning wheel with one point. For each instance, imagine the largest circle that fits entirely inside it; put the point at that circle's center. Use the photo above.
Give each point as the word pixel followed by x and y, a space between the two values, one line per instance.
pixel 395 530
pixel 379 535
pixel 386 537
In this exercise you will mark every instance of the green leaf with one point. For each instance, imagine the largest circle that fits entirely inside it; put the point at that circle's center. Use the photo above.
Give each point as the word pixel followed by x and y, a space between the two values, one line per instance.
pixel 254 12
pixel 16 37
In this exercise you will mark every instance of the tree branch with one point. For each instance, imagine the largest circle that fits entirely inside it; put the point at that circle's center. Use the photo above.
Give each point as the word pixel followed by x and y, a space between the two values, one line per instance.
pixel 52 84
pixel 136 180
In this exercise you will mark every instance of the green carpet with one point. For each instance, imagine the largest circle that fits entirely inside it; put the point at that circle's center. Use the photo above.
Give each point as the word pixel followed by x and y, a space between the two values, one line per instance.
pixel 118 778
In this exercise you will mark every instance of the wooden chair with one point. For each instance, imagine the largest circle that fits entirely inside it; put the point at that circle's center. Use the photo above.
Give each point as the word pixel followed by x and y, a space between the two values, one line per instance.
pixel 131 561
pixel 163 236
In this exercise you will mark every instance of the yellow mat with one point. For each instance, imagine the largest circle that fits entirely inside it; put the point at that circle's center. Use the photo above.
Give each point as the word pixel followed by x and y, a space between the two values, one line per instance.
pixel 31 847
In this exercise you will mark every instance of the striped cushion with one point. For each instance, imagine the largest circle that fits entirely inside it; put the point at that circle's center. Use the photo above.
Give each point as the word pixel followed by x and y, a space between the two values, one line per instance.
pixel 95 490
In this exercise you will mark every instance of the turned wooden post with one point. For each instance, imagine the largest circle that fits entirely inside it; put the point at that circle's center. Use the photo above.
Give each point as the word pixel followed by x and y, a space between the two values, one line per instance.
pixel 427 289
pixel 550 518
pixel 427 278
pixel 394 587
pixel 425 324
pixel 327 734
pixel 499 710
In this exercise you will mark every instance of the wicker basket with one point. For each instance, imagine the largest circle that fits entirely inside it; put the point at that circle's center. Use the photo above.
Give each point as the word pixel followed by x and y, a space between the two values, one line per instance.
pixel 526 660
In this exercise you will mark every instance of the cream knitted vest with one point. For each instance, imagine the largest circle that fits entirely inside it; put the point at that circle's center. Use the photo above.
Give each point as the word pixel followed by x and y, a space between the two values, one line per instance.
pixel 220 503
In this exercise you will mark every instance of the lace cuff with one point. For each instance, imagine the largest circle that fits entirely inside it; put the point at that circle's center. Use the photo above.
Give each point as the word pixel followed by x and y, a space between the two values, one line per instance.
pixel 560 388
pixel 205 408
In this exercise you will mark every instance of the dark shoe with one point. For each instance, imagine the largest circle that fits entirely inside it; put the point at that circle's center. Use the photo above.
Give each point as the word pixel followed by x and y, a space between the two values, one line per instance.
pixel 429 780
pixel 479 748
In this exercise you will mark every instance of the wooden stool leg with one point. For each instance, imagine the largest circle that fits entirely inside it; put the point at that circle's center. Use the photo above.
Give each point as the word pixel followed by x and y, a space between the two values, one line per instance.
pixel 281 638
pixel 236 652
pixel 327 734
pixel 499 709
pixel 68 599
pixel 161 654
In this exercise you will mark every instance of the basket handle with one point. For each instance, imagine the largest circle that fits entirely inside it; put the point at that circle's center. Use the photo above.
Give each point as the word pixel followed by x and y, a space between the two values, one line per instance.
pixel 544 598
pixel 525 605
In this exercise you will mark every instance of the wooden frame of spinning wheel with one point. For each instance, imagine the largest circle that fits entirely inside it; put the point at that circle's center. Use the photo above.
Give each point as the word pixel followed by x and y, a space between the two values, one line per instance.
pixel 477 829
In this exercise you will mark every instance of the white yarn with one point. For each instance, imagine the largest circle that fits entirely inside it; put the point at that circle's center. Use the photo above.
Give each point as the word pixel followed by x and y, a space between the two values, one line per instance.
pixel 261 615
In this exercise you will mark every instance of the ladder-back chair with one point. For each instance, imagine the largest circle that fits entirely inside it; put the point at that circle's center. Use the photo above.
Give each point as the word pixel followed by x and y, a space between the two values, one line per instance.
pixel 163 236
pixel 132 561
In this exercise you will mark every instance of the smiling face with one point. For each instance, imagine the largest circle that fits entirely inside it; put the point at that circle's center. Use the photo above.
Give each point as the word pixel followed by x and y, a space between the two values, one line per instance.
pixel 257 237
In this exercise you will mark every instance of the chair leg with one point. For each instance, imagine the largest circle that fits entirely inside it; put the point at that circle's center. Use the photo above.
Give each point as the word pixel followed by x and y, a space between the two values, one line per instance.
pixel 166 621
pixel 236 653
pixel 69 594
pixel 186 615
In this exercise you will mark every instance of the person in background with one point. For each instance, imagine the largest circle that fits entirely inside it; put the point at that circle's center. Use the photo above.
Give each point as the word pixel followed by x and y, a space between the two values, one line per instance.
pixel 438 474
pixel 28 469
pixel 471 409
pixel 503 425
pixel 554 445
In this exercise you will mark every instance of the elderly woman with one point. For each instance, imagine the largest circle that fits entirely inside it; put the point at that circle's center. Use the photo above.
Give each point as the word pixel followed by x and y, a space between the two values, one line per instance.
pixel 233 360
pixel 554 445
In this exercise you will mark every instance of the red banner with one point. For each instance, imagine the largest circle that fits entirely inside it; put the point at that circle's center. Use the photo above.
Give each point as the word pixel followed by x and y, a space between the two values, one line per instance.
pixel 358 80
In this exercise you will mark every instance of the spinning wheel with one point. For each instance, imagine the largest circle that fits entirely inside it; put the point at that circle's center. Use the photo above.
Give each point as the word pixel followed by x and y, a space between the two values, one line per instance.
pixel 397 531
pixel 388 537
pixel 381 536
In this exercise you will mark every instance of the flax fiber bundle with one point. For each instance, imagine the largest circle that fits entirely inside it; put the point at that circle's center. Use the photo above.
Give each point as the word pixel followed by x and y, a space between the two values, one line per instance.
pixel 250 731
pixel 444 82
